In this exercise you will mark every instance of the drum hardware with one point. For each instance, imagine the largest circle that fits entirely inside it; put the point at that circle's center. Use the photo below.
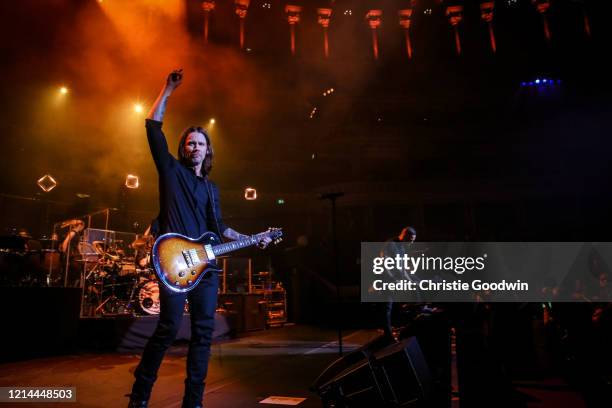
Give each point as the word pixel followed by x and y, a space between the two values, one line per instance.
pixel 116 284
pixel 116 303
pixel 127 269
pixel 51 264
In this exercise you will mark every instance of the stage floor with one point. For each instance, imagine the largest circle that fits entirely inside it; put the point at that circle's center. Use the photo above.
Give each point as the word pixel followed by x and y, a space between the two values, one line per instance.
pixel 275 362
pixel 279 361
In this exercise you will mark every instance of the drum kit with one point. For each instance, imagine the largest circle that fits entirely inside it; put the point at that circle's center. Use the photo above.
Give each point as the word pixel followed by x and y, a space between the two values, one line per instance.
pixel 115 275
pixel 116 283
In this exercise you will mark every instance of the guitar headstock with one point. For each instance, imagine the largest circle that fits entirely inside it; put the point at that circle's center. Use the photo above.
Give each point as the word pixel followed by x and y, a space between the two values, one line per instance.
pixel 275 234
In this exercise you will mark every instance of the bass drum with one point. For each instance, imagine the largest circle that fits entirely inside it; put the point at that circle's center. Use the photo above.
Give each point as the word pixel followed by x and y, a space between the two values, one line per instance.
pixel 148 298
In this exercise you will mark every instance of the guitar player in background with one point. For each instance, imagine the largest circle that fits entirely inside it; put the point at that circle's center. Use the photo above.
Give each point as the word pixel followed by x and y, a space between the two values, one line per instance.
pixel 395 246
pixel 189 205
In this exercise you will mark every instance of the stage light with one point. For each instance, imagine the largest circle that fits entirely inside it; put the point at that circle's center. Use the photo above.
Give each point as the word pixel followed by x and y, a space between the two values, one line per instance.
pixel 523 83
pixel 250 193
pixel 46 183
pixel 83 195
pixel 280 201
pixel 212 121
pixel 530 83
pixel 63 90
pixel 427 12
pixel 138 108
pixel 537 81
pixel 558 81
pixel 348 12
pixel 266 6
pixel 131 181
pixel 544 80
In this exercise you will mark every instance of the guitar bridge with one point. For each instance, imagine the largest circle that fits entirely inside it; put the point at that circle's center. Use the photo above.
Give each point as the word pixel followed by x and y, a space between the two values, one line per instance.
pixel 191 257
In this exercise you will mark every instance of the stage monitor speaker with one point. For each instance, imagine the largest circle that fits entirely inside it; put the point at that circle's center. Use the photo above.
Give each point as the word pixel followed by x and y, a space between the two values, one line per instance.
pixel 405 373
pixel 394 376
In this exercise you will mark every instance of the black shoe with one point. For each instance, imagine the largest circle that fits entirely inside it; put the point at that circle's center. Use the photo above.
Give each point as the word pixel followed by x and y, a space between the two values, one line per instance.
pixel 134 403
pixel 187 404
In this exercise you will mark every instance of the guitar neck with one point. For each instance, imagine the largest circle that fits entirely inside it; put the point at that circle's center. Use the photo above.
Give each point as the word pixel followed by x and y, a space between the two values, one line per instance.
pixel 236 245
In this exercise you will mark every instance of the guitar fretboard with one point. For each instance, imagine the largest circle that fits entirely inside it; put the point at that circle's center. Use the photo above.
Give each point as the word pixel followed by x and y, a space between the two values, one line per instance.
pixel 235 245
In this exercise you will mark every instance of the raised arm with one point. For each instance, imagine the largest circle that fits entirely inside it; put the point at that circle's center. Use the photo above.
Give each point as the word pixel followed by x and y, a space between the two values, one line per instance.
pixel 159 107
pixel 157 140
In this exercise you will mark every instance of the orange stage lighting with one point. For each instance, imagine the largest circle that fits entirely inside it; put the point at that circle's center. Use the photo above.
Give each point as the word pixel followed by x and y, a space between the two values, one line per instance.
pixel 250 193
pixel 131 181
pixel 374 18
pixel 293 17
pixel 46 183
pixel 241 7
pixel 324 15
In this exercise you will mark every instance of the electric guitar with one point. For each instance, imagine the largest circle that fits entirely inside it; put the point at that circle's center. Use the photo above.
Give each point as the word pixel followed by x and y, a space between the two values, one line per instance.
pixel 181 262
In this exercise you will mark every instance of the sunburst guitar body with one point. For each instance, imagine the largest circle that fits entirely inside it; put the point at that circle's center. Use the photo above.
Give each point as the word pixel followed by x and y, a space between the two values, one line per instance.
pixel 181 262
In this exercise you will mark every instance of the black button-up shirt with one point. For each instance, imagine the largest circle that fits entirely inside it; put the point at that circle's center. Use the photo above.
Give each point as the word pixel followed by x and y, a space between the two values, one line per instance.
pixel 184 198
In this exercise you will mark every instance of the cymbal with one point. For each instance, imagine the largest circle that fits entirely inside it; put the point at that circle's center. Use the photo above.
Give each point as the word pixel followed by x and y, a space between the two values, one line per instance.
pixel 145 242
pixel 71 223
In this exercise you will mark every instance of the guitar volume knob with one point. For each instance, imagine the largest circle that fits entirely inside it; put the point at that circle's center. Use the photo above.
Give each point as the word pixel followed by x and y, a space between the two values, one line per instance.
pixel 193 272
pixel 181 274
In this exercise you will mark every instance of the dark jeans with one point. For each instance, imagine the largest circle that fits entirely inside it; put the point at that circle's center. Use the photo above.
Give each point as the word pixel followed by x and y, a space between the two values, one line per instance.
pixel 202 305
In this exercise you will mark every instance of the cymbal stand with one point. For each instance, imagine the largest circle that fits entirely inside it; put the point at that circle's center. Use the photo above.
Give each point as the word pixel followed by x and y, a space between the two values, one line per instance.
pixel 131 298
pixel 112 297
pixel 85 275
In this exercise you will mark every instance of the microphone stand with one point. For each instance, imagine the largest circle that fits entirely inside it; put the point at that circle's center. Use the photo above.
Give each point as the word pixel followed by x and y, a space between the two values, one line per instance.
pixel 332 197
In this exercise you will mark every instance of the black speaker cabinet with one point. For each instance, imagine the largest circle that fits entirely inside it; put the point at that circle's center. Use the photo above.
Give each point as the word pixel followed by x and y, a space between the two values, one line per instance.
pixel 394 376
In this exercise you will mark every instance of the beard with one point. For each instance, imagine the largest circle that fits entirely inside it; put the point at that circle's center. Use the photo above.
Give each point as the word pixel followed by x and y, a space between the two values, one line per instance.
pixel 195 160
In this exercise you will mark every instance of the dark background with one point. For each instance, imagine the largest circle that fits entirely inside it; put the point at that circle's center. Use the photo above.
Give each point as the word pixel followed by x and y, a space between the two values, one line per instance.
pixel 452 145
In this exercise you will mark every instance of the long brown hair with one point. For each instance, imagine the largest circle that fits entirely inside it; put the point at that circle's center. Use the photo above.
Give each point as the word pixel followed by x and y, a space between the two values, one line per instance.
pixel 208 158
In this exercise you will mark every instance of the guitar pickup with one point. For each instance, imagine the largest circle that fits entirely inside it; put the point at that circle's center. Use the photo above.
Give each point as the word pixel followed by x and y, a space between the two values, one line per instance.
pixel 191 257
pixel 209 252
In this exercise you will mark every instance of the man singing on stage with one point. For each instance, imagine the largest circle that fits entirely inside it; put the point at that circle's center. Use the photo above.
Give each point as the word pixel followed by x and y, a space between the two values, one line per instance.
pixel 189 205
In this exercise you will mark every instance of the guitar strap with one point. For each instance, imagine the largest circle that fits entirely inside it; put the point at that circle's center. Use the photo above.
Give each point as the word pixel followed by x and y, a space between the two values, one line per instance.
pixel 211 203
